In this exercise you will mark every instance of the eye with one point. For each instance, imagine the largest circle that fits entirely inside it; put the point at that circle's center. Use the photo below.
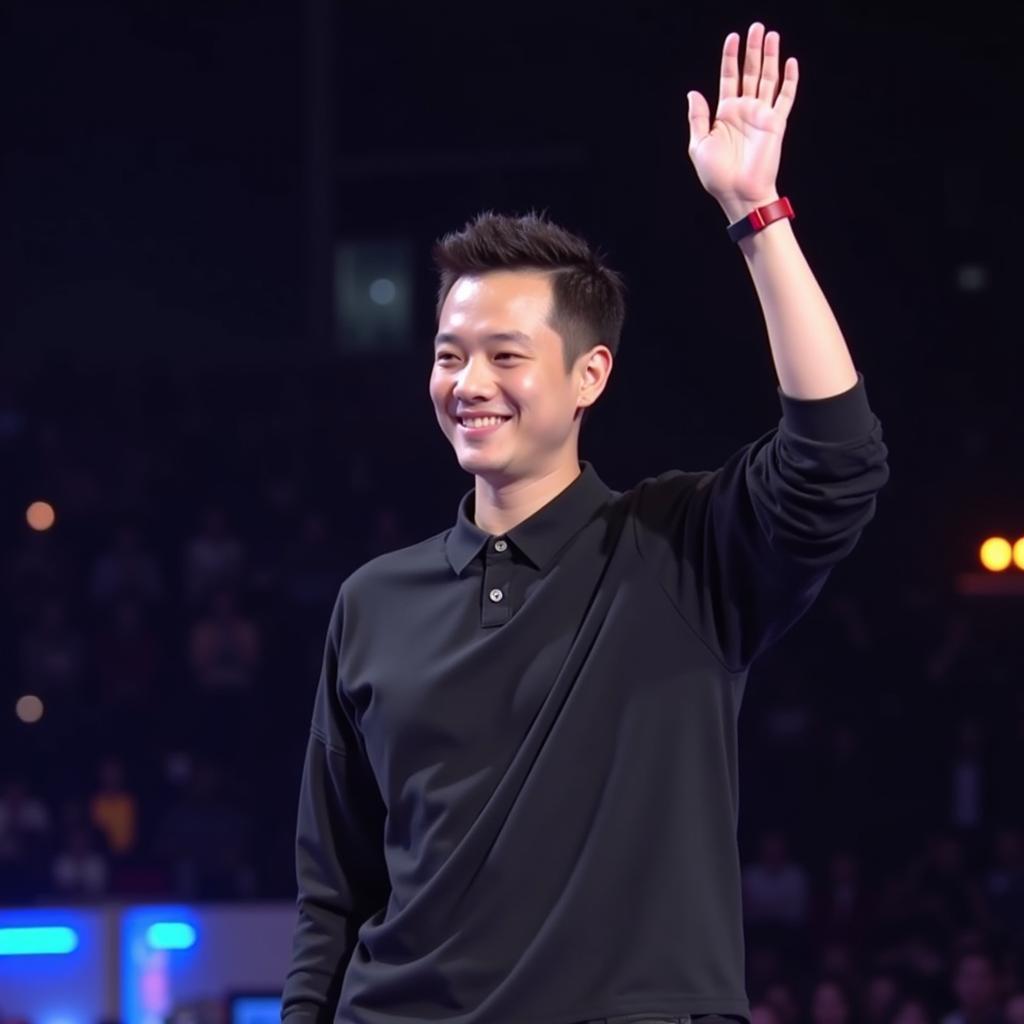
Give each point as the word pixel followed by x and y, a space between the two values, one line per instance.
pixel 450 355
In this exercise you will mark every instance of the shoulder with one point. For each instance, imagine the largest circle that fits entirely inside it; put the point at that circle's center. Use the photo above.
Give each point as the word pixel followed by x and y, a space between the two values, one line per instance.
pixel 382 584
pixel 660 499
pixel 387 576
pixel 397 566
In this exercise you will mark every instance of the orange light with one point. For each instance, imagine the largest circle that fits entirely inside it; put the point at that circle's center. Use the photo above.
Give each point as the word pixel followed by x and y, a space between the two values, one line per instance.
pixel 1018 553
pixel 40 515
pixel 996 554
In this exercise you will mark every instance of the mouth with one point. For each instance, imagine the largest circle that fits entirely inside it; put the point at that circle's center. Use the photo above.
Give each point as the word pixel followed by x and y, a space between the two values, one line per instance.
pixel 490 425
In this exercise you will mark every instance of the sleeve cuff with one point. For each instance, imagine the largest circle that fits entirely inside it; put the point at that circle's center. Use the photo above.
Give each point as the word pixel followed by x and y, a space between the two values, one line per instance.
pixel 302 1015
pixel 841 417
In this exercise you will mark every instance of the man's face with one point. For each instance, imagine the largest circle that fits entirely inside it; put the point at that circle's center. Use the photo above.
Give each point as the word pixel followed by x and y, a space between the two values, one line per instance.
pixel 495 353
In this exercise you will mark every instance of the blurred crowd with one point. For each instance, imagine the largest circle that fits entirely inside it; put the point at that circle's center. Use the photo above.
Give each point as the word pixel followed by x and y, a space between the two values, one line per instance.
pixel 171 623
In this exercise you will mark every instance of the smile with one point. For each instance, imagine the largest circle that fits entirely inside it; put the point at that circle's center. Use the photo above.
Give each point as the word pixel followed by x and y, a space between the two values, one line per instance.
pixel 490 424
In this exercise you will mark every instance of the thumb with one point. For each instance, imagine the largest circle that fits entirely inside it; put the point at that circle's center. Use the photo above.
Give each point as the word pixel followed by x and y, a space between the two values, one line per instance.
pixel 700 117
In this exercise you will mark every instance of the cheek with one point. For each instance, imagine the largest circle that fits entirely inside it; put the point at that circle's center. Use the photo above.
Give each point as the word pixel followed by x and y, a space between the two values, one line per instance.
pixel 436 388
pixel 439 402
pixel 544 395
pixel 529 388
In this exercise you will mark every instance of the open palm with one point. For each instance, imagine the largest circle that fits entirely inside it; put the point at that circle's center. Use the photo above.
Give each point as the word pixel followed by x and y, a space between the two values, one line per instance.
pixel 737 158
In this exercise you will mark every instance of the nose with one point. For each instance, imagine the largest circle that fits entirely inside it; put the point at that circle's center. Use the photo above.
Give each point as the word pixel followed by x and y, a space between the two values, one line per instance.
pixel 473 382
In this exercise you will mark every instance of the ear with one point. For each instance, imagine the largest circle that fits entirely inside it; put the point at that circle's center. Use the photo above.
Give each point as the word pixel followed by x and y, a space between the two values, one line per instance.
pixel 594 370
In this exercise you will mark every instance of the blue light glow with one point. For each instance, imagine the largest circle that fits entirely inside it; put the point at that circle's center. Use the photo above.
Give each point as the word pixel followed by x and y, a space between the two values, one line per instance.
pixel 34 941
pixel 255 1010
pixel 170 935
pixel 160 943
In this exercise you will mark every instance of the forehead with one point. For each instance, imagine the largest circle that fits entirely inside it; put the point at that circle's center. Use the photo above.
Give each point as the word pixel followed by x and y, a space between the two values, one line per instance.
pixel 523 296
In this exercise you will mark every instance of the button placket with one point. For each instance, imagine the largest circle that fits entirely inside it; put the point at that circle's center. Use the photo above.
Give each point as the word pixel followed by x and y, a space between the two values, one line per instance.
pixel 496 609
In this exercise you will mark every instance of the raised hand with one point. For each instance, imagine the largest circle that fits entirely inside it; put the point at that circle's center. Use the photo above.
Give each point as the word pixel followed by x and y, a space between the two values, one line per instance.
pixel 737 157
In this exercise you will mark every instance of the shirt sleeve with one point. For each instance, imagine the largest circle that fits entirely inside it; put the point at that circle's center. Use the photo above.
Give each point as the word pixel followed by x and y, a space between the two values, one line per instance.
pixel 743 551
pixel 339 849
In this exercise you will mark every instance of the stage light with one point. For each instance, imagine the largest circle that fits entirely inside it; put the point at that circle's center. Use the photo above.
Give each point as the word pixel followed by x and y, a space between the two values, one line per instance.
pixel 37 941
pixel 1018 553
pixel 29 709
pixel 40 515
pixel 383 291
pixel 171 935
pixel 996 554
pixel 973 277
pixel 374 287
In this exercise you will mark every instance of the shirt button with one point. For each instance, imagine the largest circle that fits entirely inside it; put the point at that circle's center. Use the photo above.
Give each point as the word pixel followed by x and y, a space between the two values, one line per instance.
pixel 496 595
pixel 500 545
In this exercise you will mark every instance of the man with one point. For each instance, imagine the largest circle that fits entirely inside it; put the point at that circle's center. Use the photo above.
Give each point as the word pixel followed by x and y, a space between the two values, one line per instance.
pixel 519 800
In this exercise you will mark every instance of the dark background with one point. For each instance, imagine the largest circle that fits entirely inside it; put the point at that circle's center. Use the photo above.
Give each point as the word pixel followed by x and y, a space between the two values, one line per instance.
pixel 175 180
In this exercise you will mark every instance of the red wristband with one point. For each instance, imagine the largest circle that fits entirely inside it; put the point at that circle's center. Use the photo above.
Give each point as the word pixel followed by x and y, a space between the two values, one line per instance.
pixel 759 219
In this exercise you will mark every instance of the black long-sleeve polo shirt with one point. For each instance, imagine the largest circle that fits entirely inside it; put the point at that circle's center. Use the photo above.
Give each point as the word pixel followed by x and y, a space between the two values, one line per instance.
pixel 519 801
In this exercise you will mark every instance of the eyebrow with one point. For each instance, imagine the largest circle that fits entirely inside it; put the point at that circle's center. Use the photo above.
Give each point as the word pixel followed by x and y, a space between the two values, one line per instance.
pixel 446 336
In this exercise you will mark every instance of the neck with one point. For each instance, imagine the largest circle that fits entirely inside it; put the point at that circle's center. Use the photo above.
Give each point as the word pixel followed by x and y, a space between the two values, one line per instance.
pixel 500 507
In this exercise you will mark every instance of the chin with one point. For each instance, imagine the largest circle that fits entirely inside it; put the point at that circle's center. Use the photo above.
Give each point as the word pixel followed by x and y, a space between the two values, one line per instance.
pixel 483 463
pixel 476 461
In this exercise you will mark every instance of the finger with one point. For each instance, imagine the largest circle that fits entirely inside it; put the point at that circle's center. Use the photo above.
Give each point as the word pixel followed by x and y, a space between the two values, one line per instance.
pixel 770 68
pixel 784 104
pixel 729 85
pixel 752 61
pixel 699 116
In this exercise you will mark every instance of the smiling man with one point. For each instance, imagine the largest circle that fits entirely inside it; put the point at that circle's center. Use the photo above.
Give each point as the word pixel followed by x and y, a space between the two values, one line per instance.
pixel 519 356
pixel 520 795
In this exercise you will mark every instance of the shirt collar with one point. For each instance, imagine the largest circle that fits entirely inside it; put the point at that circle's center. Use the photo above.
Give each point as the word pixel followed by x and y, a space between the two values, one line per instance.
pixel 540 536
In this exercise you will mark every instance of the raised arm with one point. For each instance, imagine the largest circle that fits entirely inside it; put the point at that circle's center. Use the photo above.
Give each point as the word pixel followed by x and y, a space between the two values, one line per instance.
pixel 737 160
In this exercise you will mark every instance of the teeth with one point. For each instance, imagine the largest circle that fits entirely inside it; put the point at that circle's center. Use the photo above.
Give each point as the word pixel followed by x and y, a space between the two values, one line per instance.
pixel 486 421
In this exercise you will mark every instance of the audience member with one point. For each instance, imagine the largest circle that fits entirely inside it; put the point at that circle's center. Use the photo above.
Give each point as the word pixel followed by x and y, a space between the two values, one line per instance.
pixel 127 655
pixel 213 559
pixel 80 869
pixel 776 891
pixel 203 840
pixel 1003 885
pixel 25 833
pixel 127 570
pixel 975 986
pixel 113 809
pixel 224 646
pixel 51 655
pixel 832 1002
